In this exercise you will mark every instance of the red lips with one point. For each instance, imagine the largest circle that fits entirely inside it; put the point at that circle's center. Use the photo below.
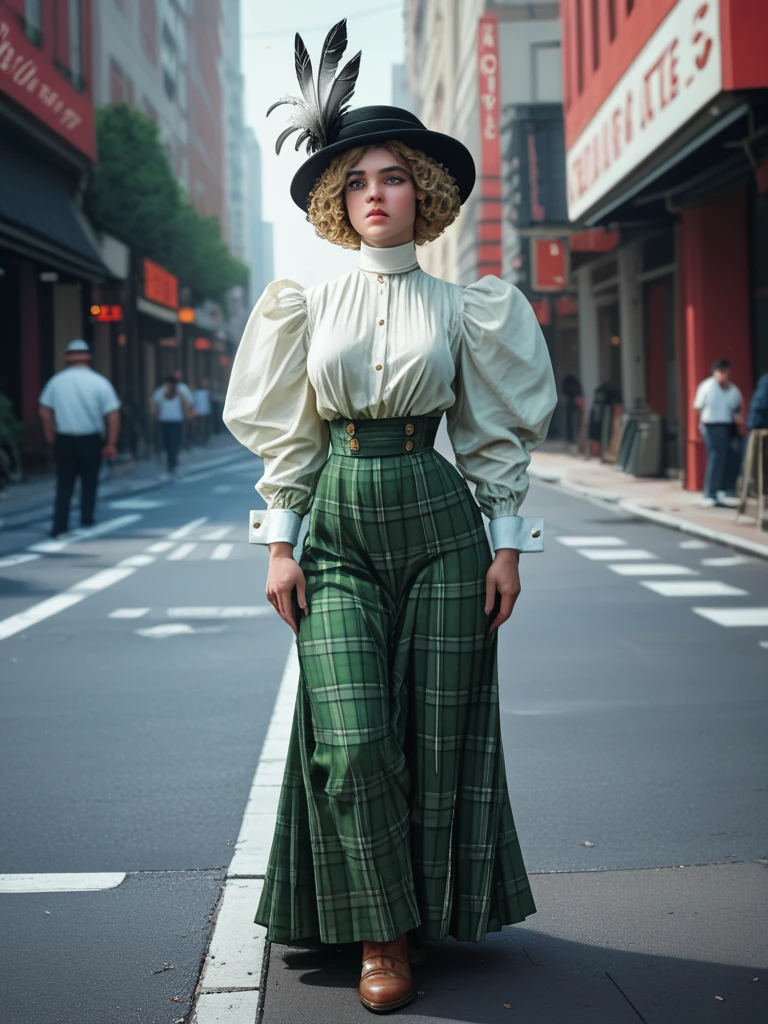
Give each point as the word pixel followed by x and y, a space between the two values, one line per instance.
pixel 376 213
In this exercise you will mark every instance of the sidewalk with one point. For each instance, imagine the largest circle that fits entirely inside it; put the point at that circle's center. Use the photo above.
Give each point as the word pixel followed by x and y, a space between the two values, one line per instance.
pixel 33 500
pixel 683 945
pixel 662 500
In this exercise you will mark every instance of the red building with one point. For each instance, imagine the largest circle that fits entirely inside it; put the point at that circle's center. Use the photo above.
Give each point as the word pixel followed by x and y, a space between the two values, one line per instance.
pixel 667 143
pixel 47 256
pixel 205 112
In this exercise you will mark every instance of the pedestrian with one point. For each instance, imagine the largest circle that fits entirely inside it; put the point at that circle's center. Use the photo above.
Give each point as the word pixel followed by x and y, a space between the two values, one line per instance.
pixel 171 409
pixel 201 398
pixel 719 403
pixel 394 818
pixel 189 406
pixel 572 393
pixel 73 406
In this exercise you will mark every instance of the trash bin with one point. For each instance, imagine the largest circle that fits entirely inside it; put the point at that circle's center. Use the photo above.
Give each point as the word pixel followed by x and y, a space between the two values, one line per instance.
pixel 641 444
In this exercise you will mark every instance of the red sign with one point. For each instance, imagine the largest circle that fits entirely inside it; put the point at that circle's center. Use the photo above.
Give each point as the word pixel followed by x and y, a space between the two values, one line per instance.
pixel 548 265
pixel 566 306
pixel 203 344
pixel 596 240
pixel 160 285
pixel 30 78
pixel 107 314
pixel 543 311
pixel 489 220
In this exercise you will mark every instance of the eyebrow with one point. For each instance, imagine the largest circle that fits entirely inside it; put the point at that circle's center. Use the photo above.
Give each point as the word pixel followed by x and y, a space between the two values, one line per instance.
pixel 381 170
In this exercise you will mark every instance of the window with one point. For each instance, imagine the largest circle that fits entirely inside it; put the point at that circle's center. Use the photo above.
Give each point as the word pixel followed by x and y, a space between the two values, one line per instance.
pixel 612 19
pixel 547 77
pixel 579 48
pixel 116 83
pixel 595 34
pixel 32 23
pixel 76 43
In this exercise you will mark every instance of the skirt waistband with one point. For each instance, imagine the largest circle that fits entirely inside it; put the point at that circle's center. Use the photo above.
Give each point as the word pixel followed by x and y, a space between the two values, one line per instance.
pixel 405 435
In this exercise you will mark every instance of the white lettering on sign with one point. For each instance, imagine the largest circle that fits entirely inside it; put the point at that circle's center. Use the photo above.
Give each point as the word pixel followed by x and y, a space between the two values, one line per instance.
pixel 25 74
pixel 676 73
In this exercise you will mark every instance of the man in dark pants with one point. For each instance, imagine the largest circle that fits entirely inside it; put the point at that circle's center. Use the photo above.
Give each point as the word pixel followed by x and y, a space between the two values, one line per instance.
pixel 73 406
pixel 719 403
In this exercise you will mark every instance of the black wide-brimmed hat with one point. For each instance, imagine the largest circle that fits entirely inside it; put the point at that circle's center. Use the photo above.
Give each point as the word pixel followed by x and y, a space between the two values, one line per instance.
pixel 329 127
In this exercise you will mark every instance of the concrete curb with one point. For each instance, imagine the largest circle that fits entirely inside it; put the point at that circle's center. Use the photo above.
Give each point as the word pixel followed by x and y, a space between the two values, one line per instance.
pixel 662 518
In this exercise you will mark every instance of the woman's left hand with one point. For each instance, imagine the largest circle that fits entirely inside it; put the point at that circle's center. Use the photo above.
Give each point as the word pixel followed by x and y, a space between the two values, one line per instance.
pixel 503 578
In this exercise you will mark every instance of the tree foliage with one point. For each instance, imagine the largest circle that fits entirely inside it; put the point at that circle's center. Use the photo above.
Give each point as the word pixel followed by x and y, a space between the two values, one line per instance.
pixel 134 195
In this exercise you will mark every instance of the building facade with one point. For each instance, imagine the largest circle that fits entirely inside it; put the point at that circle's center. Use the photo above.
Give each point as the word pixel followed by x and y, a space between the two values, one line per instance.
pixel 259 233
pixel 234 133
pixel 48 256
pixel 667 149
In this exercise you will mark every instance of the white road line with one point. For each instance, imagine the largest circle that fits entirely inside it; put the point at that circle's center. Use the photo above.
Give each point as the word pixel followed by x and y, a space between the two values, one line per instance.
pixel 215 612
pixel 52 547
pixel 129 613
pixel 616 554
pixel 237 944
pixel 221 552
pixel 763 643
pixel 181 552
pixel 654 569
pixel 588 542
pixel 137 504
pixel 693 588
pixel 184 531
pixel 70 882
pixel 694 545
pixel 177 629
pixel 728 560
pixel 53 605
pixel 6 563
pixel 137 561
pixel 161 546
pixel 218 534
pixel 735 616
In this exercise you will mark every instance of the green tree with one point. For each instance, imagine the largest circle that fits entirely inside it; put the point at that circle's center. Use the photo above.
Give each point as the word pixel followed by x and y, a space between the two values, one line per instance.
pixel 135 196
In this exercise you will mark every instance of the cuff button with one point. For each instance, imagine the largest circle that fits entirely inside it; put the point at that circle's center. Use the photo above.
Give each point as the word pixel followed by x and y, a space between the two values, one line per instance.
pixel 256 525
pixel 535 533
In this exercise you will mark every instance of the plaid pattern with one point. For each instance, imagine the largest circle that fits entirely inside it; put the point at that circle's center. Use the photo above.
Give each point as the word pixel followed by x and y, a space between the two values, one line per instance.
pixel 394 809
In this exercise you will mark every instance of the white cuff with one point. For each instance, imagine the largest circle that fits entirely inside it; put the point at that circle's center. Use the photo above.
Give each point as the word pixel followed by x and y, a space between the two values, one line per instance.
pixel 517 532
pixel 279 524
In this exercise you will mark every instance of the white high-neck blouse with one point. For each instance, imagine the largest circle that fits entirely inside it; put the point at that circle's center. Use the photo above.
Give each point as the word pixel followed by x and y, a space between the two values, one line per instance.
pixel 389 340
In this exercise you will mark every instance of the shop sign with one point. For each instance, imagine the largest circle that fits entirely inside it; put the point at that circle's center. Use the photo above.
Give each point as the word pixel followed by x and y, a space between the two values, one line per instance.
pixel 107 314
pixel 548 265
pixel 203 344
pixel 160 285
pixel 676 74
pixel 30 78
pixel 543 310
pixel 489 240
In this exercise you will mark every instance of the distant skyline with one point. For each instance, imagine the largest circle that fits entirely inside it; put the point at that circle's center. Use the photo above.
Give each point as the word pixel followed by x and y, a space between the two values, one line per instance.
pixel 267 60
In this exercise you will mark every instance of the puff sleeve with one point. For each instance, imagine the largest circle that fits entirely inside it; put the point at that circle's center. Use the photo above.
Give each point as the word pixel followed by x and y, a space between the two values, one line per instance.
pixel 505 397
pixel 271 408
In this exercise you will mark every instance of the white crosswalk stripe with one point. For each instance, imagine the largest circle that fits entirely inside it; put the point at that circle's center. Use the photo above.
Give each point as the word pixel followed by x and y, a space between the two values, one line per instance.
pixel 184 531
pixel 218 534
pixel 735 616
pixel 693 588
pixel 616 554
pixel 181 551
pixel 221 551
pixel 727 561
pixel 591 542
pixel 654 569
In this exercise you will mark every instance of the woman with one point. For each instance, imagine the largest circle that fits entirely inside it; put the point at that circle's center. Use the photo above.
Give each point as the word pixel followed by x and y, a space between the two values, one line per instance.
pixel 170 410
pixel 394 814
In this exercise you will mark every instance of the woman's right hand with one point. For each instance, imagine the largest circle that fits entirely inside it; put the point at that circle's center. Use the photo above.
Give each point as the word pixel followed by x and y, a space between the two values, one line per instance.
pixel 285 574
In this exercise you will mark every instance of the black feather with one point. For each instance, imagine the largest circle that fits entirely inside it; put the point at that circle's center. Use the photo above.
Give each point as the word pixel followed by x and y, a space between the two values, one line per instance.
pixel 341 91
pixel 304 70
pixel 283 136
pixel 333 50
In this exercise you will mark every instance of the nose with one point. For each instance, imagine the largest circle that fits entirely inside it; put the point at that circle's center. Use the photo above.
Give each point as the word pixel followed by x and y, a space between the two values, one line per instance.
pixel 374 193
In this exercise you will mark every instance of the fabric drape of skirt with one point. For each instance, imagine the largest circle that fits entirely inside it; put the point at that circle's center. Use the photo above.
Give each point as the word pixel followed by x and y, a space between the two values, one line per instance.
pixel 394 811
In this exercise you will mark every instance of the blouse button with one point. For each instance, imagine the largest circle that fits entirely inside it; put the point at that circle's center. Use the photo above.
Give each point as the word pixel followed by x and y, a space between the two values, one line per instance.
pixel 380 278
pixel 350 428
pixel 409 428
pixel 408 446
pixel 378 366
pixel 381 323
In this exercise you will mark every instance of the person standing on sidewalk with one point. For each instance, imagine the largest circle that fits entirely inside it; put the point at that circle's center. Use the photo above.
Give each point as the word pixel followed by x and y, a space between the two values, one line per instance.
pixel 394 813
pixel 719 404
pixel 73 406
pixel 171 409
pixel 202 399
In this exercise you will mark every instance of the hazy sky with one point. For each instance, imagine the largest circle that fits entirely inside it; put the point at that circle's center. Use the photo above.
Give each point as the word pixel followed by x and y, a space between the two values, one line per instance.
pixel 268 28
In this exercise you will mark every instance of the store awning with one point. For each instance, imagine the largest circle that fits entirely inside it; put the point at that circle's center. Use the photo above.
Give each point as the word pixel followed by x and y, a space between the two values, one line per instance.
pixel 38 218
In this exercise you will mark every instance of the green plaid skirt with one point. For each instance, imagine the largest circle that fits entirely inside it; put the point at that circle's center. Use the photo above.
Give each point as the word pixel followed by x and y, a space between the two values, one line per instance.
pixel 394 811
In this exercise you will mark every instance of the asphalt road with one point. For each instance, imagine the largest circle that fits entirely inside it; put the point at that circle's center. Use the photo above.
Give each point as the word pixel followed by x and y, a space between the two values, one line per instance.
pixel 136 698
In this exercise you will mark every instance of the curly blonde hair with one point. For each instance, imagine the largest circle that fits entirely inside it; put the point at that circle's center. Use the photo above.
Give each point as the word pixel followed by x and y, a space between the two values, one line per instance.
pixel 440 207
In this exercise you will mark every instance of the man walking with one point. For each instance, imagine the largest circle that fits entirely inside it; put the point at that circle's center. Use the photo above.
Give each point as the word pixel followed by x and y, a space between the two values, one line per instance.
pixel 202 399
pixel 719 403
pixel 73 406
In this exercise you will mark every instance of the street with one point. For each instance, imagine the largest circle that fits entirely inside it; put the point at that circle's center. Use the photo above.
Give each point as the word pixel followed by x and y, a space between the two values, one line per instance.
pixel 140 667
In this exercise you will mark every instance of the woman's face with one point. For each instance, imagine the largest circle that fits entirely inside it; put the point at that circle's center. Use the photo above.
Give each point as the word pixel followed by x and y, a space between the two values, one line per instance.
pixel 381 196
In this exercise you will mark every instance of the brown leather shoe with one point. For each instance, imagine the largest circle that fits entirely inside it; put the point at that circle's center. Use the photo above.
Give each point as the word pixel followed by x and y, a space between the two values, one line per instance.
pixel 385 983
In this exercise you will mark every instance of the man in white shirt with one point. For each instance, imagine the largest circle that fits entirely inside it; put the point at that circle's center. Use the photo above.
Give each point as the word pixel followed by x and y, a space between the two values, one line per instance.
pixel 719 403
pixel 73 406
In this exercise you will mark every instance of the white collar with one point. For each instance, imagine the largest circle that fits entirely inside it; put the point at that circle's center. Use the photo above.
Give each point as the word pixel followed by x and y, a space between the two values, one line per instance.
pixel 397 259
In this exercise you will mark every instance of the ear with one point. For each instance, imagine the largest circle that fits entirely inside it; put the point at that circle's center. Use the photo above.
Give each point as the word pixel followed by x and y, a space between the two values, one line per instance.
pixel 421 195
